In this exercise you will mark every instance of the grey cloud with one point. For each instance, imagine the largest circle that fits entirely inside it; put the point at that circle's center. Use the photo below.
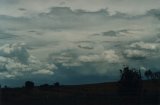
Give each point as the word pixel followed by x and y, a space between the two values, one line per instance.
pixel 66 59
pixel 87 64
pixel 11 23
pixel 64 18
pixel 86 45
pixel 114 33
pixel 15 51
pixel 110 33
pixel 78 12
pixel 10 1
pixel 67 34
pixel 72 59
pixel 120 15
pixel 85 41
pixel 6 35
pixel 58 18
pixel 32 31
pixel 22 9
pixel 141 50
pixel 62 3
pixel 124 31
pixel 158 35
pixel 89 58
pixel 15 19
pixel 154 12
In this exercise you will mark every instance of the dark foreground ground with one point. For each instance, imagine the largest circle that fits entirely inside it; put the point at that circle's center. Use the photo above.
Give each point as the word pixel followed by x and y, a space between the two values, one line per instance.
pixel 93 94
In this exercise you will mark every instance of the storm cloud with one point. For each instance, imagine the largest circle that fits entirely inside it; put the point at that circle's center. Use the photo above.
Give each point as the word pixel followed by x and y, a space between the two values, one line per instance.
pixel 64 40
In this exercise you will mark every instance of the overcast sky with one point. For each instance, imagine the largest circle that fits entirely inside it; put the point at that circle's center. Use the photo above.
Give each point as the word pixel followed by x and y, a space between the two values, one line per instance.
pixel 76 41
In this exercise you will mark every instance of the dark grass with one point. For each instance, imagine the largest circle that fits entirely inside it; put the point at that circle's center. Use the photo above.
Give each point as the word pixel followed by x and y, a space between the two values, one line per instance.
pixel 92 94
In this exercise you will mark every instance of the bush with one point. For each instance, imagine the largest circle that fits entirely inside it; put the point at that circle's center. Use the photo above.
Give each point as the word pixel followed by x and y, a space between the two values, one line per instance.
pixel 29 84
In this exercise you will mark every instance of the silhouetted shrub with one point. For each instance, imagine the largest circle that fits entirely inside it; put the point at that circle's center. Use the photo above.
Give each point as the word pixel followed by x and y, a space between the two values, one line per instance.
pixel 29 84
pixel 44 85
pixel 130 81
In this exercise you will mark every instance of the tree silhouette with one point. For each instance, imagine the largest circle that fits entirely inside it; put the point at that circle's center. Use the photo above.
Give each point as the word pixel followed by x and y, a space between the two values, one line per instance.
pixel 29 84
pixel 157 75
pixel 148 74
pixel 130 81
pixel 152 75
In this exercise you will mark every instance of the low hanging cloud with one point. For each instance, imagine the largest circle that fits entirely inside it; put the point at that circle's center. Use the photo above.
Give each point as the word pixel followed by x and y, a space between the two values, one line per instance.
pixel 15 60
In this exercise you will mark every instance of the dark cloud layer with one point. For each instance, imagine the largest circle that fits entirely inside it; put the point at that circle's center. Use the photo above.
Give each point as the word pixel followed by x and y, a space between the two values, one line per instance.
pixel 154 12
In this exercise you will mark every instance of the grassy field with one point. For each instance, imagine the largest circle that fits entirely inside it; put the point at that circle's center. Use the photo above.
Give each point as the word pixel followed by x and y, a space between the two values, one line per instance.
pixel 90 94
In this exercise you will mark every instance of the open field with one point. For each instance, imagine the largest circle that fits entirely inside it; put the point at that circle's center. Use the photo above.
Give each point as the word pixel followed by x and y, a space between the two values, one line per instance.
pixel 91 94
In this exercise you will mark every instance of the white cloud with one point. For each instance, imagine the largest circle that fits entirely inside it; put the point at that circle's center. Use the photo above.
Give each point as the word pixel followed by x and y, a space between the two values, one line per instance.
pixel 62 59
pixel 89 58
pixel 43 72
pixel 146 46
pixel 143 68
pixel 111 57
pixel 17 51
pixel 12 64
pixel 72 64
pixel 135 54
pixel 108 56
pixel 86 45
pixel 5 75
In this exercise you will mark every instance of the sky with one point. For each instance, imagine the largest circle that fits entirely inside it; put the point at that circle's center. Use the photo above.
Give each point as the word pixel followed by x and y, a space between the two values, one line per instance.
pixel 76 41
